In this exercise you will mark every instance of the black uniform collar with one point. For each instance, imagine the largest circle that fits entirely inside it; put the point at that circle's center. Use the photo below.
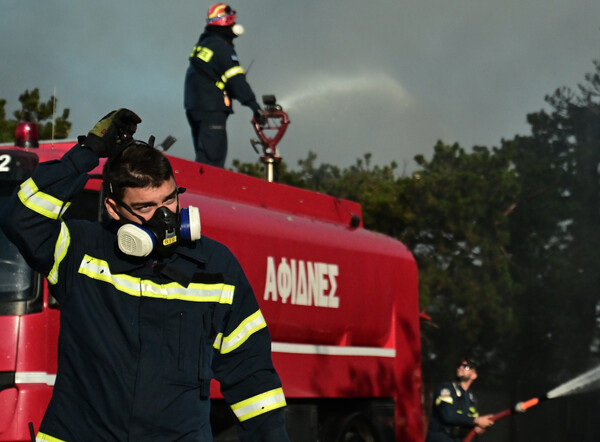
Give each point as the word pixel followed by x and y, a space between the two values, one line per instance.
pixel 225 32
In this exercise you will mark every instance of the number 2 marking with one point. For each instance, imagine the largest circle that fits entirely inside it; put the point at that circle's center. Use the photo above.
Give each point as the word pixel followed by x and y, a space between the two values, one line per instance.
pixel 4 162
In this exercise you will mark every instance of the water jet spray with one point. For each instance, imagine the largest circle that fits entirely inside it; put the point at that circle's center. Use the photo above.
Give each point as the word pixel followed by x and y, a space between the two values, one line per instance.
pixel 324 88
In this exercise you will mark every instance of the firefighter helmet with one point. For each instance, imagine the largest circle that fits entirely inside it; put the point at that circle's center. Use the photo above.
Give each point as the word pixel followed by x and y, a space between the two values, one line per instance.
pixel 220 14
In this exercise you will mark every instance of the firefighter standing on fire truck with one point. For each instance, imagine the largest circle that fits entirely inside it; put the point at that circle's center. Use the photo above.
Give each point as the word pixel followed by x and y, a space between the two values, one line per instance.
pixel 454 412
pixel 213 78
pixel 150 312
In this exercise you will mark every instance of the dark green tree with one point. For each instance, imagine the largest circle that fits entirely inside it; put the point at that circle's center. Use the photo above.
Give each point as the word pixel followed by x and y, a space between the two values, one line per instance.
pixel 33 110
pixel 453 218
pixel 555 239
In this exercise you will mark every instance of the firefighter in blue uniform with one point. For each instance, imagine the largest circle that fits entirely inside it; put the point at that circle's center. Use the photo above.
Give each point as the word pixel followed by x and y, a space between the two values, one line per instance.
pixel 151 310
pixel 454 412
pixel 214 77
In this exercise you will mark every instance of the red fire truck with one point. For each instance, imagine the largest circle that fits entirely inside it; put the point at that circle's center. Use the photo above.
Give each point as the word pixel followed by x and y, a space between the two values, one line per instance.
pixel 341 303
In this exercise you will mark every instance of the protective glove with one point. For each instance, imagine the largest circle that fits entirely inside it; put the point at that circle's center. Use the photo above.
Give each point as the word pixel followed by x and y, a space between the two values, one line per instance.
pixel 259 116
pixel 112 132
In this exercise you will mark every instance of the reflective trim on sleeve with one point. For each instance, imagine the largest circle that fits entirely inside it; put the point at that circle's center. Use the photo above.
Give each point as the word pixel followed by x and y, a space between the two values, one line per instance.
pixel 43 437
pixel 441 399
pixel 259 404
pixel 195 292
pixel 60 250
pixel 231 72
pixel 40 202
pixel 247 328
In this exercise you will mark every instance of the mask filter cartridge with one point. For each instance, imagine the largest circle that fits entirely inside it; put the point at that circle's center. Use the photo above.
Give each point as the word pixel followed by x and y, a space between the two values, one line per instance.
pixel 138 240
pixel 190 223
pixel 135 240
pixel 237 29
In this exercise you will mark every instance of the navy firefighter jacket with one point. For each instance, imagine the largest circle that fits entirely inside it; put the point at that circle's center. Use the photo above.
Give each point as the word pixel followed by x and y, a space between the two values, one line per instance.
pixel 453 415
pixel 214 71
pixel 140 340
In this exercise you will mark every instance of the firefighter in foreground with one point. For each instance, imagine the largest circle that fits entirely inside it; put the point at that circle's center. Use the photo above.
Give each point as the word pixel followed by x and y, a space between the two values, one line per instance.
pixel 213 78
pixel 150 312
pixel 454 411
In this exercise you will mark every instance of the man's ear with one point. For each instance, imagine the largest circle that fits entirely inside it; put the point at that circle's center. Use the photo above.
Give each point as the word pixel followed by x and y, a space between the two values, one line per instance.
pixel 111 208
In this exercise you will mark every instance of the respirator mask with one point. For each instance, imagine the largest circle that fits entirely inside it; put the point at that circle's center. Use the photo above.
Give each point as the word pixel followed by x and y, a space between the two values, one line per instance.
pixel 160 234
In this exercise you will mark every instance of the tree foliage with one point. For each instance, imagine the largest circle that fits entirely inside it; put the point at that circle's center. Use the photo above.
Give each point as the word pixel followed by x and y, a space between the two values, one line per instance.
pixel 33 110
pixel 555 240
pixel 455 222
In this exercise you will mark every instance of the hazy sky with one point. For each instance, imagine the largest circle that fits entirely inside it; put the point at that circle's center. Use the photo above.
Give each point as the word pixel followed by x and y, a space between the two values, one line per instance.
pixel 386 77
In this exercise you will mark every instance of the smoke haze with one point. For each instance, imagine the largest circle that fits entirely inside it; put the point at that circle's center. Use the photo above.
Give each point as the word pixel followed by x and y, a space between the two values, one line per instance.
pixel 383 77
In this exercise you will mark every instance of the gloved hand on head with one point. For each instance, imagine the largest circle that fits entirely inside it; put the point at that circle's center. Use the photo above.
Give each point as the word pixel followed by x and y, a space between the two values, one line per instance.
pixel 112 132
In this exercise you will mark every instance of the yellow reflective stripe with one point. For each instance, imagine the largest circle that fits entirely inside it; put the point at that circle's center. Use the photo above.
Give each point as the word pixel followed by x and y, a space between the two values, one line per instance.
pixel 40 202
pixel 60 250
pixel 220 293
pixel 204 54
pixel 440 399
pixel 247 328
pixel 231 72
pixel 46 437
pixel 259 404
pixel 98 269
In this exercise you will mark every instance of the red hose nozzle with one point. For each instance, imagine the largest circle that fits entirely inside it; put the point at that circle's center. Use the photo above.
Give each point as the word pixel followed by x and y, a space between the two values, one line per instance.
pixel 521 407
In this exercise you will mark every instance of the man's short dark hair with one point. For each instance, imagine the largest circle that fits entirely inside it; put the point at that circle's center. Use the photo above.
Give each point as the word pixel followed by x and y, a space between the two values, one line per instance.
pixel 469 360
pixel 138 165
